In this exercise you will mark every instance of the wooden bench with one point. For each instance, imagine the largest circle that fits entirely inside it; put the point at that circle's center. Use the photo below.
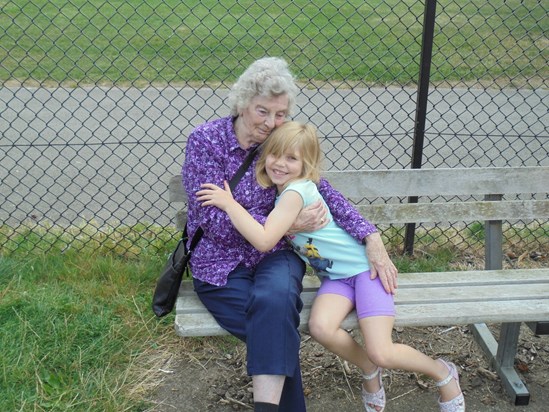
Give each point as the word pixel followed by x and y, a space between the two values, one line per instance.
pixel 474 297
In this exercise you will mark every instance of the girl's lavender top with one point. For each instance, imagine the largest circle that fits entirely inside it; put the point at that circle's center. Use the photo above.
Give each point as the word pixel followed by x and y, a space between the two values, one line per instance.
pixel 214 155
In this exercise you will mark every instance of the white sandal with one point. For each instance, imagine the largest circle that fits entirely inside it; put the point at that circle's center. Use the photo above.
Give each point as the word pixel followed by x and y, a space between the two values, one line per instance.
pixel 377 398
pixel 458 403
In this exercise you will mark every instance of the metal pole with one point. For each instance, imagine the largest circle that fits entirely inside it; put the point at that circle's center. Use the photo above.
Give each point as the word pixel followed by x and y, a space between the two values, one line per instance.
pixel 421 106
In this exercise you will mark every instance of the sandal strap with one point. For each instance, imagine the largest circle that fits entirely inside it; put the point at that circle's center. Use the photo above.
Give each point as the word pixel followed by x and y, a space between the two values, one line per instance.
pixel 452 373
pixel 372 375
pixel 445 381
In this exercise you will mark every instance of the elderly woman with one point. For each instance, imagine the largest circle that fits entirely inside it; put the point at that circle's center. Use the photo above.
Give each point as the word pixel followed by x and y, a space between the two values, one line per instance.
pixel 255 295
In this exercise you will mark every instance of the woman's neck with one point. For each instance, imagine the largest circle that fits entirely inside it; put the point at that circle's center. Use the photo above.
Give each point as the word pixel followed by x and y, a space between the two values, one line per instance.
pixel 241 134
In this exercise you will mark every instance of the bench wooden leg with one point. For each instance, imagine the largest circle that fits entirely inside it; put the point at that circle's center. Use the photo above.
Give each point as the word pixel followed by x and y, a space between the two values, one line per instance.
pixel 502 357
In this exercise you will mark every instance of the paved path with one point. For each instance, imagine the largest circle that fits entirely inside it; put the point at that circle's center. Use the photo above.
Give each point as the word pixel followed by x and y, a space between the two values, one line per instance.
pixel 107 153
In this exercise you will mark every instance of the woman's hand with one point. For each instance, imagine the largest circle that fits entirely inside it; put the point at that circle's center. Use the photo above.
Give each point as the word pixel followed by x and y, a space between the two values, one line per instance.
pixel 311 218
pixel 212 195
pixel 380 263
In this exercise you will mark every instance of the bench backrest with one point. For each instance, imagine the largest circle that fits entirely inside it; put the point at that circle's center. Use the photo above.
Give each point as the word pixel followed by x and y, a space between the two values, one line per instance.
pixel 485 184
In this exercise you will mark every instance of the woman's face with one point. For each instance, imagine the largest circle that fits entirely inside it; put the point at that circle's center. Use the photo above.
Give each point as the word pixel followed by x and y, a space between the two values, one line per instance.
pixel 258 120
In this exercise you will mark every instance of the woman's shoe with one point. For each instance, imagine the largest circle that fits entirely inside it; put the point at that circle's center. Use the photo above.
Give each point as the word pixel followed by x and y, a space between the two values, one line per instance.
pixel 375 399
pixel 458 403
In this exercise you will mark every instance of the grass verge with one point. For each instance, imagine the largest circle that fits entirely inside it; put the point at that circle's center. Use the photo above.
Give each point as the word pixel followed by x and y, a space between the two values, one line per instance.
pixel 172 42
pixel 74 327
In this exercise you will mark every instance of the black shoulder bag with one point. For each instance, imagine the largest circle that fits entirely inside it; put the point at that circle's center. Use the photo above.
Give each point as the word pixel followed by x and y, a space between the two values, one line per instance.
pixel 167 286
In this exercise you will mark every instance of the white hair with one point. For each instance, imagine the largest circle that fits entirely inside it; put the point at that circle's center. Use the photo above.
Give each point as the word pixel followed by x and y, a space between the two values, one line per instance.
pixel 266 77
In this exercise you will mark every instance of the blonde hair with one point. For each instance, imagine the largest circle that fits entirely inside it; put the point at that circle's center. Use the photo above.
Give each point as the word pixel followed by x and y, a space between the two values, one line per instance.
pixel 289 137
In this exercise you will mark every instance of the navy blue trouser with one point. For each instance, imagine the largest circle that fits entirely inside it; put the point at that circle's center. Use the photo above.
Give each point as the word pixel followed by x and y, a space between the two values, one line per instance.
pixel 261 307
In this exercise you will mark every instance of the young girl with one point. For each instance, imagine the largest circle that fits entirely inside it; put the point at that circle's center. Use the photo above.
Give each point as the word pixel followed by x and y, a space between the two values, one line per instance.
pixel 290 160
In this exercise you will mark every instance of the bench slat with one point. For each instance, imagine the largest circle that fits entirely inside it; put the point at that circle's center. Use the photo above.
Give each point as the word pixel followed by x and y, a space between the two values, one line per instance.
pixel 197 324
pixel 473 312
pixel 203 324
pixel 358 184
pixel 479 277
pixel 420 296
pixel 176 192
pixel 435 182
pixel 487 293
pixel 423 299
pixel 453 278
pixel 443 212
pixel 455 211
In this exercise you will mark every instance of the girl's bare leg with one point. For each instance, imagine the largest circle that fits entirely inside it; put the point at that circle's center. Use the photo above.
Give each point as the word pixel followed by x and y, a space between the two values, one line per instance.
pixel 327 314
pixel 381 350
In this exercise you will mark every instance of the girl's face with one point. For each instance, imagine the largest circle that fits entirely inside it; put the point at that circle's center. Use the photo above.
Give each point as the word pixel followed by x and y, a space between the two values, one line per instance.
pixel 282 170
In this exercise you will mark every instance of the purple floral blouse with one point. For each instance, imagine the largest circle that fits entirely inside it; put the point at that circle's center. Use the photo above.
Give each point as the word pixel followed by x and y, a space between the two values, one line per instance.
pixel 213 155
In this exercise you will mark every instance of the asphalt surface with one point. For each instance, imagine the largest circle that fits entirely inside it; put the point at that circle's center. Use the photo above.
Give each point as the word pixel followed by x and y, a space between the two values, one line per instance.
pixel 72 155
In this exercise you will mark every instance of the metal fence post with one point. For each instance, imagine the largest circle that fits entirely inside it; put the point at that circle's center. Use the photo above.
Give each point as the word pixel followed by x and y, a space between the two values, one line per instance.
pixel 421 106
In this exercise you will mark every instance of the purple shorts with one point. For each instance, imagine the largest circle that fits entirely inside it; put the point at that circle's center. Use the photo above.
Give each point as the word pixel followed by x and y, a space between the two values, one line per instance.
pixel 368 296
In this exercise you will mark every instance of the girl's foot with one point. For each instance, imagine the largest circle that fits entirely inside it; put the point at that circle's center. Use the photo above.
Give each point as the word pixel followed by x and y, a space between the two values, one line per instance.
pixel 374 402
pixel 456 404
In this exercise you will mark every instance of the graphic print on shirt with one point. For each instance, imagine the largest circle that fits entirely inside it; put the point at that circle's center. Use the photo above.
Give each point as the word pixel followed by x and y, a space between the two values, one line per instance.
pixel 317 262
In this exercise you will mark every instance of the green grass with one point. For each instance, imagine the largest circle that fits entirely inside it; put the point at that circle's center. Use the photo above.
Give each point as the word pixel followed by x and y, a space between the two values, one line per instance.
pixel 73 328
pixel 143 240
pixel 170 41
pixel 78 333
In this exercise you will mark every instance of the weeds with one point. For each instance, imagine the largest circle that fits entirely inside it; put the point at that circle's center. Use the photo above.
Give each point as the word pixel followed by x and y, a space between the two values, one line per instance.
pixel 73 327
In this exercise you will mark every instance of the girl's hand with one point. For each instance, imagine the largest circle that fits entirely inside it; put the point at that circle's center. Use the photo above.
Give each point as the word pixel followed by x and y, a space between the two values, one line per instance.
pixel 212 195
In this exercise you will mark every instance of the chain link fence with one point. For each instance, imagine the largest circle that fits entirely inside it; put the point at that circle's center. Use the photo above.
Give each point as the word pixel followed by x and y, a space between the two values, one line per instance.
pixel 97 98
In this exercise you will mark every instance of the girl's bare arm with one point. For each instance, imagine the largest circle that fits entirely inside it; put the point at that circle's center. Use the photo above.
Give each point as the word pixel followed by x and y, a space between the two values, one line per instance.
pixel 262 237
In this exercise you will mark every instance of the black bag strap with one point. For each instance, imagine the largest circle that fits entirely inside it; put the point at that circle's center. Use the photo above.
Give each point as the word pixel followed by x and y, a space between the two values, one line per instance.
pixel 232 184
